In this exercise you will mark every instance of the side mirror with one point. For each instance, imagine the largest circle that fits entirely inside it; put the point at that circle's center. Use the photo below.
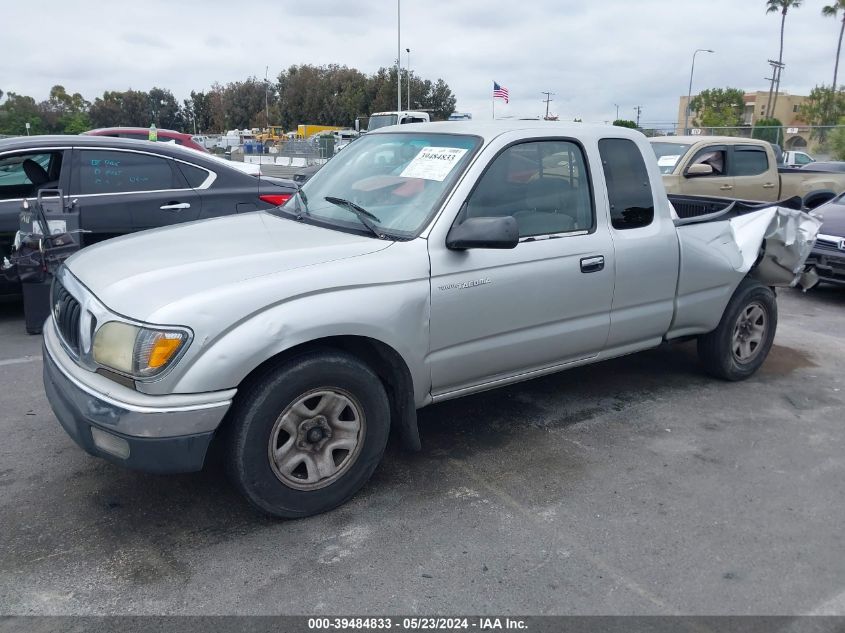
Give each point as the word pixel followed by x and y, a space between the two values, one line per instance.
pixel 699 169
pixel 495 232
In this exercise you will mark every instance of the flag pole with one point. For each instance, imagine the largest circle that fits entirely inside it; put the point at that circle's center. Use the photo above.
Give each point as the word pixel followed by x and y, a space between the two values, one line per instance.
pixel 493 100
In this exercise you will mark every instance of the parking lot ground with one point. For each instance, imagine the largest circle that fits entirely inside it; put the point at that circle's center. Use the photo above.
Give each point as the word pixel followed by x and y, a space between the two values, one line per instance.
pixel 637 486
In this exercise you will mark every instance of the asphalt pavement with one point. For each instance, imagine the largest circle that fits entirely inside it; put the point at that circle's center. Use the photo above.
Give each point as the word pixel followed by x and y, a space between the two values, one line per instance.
pixel 636 486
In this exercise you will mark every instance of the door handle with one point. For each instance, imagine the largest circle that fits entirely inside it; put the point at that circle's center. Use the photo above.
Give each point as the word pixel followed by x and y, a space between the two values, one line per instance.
pixel 592 264
pixel 726 187
pixel 175 206
pixel 768 185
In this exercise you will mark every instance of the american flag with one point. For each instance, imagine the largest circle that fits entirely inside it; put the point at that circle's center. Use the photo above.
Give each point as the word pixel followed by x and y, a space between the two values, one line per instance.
pixel 500 92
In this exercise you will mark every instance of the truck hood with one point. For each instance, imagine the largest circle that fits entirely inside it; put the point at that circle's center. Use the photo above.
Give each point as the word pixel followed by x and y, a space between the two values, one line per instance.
pixel 137 274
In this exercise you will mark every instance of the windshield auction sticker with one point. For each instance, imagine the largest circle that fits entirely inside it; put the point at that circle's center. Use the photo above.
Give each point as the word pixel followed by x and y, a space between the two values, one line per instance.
pixel 433 163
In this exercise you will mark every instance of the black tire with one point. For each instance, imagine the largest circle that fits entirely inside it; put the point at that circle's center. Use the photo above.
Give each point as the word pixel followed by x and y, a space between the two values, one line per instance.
pixel 253 421
pixel 716 349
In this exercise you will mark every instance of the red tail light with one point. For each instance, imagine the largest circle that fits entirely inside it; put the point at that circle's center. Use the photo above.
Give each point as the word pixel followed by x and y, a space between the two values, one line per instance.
pixel 276 199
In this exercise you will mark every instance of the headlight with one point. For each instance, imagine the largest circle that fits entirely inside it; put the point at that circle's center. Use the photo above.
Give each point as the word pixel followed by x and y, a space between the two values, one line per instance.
pixel 137 351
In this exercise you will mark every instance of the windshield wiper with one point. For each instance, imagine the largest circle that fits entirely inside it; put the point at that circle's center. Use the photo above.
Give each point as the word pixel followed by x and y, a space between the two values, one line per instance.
pixel 361 213
pixel 301 204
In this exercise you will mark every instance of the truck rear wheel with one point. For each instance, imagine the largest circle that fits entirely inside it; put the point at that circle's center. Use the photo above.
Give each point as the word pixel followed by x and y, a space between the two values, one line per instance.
pixel 739 345
pixel 307 436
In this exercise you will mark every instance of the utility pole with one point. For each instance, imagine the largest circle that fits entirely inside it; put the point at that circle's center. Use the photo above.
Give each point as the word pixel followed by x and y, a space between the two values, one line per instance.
pixel 774 87
pixel 548 99
pixel 638 110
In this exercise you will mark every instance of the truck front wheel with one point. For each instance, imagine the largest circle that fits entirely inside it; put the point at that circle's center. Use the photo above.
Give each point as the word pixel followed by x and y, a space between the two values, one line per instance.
pixel 308 435
pixel 739 345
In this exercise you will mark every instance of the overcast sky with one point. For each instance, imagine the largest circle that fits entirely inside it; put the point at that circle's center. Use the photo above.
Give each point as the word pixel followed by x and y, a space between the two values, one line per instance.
pixel 591 54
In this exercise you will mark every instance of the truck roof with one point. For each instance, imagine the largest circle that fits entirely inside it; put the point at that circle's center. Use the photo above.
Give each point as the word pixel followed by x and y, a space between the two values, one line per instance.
pixel 491 129
pixel 733 140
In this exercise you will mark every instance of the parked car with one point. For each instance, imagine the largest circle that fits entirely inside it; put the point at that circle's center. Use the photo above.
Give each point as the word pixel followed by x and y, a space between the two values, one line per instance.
pixel 420 264
pixel 143 134
pixel 121 185
pixel 303 175
pixel 797 159
pixel 828 255
pixel 740 168
pixel 826 165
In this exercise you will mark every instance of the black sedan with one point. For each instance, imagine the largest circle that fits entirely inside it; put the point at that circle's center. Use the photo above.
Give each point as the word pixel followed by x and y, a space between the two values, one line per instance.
pixel 828 255
pixel 119 186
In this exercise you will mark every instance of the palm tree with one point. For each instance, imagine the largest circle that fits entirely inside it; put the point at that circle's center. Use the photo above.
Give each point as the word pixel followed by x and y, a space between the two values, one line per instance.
pixel 782 6
pixel 832 11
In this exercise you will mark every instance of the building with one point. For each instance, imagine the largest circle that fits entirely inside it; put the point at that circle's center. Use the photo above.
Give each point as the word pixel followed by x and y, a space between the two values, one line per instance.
pixel 797 134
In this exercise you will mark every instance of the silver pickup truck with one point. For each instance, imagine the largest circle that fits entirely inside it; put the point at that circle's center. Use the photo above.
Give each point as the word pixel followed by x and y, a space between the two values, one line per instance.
pixel 424 262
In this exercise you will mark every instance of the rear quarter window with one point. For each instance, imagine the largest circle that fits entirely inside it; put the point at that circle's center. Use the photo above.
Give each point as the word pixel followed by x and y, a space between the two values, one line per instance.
pixel 628 185
pixel 194 175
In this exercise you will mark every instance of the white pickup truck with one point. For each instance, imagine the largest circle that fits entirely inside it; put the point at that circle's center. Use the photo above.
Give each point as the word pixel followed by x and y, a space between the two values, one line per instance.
pixel 422 263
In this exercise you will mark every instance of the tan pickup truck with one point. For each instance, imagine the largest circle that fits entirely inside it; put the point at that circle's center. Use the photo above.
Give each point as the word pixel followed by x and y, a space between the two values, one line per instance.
pixel 743 168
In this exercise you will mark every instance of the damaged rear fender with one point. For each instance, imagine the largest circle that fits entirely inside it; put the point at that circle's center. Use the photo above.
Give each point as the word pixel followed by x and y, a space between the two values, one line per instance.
pixel 769 245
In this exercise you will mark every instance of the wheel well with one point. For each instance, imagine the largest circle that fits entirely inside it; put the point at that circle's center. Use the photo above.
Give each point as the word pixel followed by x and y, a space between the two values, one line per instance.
pixel 812 200
pixel 386 362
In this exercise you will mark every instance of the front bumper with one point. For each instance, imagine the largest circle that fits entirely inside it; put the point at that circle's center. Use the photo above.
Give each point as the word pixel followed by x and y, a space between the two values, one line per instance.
pixel 159 434
pixel 829 264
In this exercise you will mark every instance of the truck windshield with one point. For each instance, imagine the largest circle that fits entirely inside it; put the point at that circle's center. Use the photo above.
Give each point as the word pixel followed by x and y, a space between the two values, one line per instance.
pixel 400 178
pixel 381 120
pixel 669 154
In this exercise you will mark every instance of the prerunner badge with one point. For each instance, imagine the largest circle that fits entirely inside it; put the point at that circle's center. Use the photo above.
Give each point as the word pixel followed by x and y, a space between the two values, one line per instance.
pixel 433 163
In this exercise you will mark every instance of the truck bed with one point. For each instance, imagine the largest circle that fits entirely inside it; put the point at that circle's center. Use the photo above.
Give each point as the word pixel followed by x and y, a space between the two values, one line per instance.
pixel 697 209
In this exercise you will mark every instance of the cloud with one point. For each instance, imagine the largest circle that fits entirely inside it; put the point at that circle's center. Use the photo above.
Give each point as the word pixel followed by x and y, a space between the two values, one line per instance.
pixel 592 55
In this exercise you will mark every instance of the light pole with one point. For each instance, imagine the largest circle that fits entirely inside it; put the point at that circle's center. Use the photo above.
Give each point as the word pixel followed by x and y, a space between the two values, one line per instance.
pixel 399 55
pixel 266 98
pixel 408 102
pixel 689 92
pixel 617 111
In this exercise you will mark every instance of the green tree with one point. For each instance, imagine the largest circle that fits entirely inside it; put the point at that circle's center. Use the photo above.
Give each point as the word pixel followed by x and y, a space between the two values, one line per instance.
pixel 837 141
pixel 832 10
pixel 16 112
pixel 115 108
pixel 163 109
pixel 822 108
pixel 782 7
pixel 64 113
pixel 625 123
pixel 718 107
pixel 768 130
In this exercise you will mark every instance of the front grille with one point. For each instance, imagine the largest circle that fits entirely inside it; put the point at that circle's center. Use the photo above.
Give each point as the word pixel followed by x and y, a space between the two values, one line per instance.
pixel 827 245
pixel 66 313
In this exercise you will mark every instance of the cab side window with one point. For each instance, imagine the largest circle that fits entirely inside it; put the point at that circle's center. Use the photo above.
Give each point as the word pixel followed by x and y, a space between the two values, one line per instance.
pixel 544 185
pixel 749 160
pixel 628 185
pixel 713 156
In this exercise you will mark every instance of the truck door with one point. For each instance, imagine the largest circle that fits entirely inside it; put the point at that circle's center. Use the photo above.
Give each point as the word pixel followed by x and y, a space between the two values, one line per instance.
pixel 716 183
pixel 500 313
pixel 645 243
pixel 754 178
